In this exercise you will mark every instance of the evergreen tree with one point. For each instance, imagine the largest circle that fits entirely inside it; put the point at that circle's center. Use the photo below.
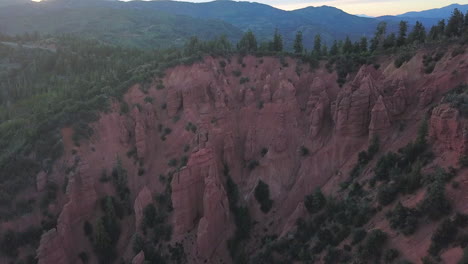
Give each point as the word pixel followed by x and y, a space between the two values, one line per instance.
pixel 110 219
pixel 390 41
pixel 418 34
pixel 324 50
pixel 298 45
pixel 357 47
pixel 192 46
pixel 102 241
pixel 347 46
pixel 363 44
pixel 455 24
pixel 402 33
pixel 379 36
pixel 315 201
pixel 223 45
pixel 277 44
pixel 466 20
pixel 437 31
pixel 317 45
pixel 334 49
pixel 248 43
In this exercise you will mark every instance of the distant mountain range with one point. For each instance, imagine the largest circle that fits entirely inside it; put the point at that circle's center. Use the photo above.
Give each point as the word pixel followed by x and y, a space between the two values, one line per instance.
pixel 167 23
pixel 439 13
pixel 427 17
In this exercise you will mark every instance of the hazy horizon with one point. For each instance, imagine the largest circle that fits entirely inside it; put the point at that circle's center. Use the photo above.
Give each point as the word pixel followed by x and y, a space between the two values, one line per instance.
pixel 365 7
pixel 356 7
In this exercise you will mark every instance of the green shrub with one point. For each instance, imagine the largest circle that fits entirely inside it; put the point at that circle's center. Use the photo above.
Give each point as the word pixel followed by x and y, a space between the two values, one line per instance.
pixel 251 165
pixel 237 73
pixel 358 235
pixel 119 179
pixel 458 98
pixel 315 202
pixel 373 244
pixel 403 219
pixel 191 127
pixel 443 236
pixel 263 152
pixel 390 255
pixel 83 257
pixel 149 100
pixel 183 161
pixel 304 151
pixel 260 104
pixel 402 58
pixel 50 194
pixel 458 51
pixel 463 160
pixel 173 163
pixel 149 216
pixel 464 259
pixel 435 205
pixel 160 86
pixel 262 195
pixel 88 229
pixel 387 193
pixel 138 243
pixel 124 109
pixel 244 80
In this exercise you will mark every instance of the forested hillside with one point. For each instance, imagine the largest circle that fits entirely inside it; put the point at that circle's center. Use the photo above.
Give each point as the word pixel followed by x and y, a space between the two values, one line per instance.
pixel 111 23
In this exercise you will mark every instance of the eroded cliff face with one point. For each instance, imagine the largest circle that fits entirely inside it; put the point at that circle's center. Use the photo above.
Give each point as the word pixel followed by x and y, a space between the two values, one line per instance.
pixel 209 117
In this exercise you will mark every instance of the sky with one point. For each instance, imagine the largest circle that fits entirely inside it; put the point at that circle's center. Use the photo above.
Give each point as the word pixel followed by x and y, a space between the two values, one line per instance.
pixel 367 7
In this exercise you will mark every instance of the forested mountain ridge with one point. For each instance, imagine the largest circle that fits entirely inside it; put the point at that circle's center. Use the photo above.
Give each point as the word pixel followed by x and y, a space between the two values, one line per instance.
pixel 149 24
pixel 107 22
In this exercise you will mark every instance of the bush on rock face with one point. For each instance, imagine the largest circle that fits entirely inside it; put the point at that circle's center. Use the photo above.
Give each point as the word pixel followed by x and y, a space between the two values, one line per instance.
pixel 262 195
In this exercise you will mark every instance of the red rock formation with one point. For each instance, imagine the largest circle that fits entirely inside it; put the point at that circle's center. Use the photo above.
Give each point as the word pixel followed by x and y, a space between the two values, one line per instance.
pixel 276 110
pixel 139 258
pixel 380 120
pixel 143 199
pixel 41 181
pixel 446 129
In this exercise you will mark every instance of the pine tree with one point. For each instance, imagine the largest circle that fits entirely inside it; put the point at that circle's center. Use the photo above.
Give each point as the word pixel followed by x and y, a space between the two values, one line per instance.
pixel 357 47
pixel 334 49
pixel 379 37
pixel 102 240
pixel 402 33
pixel 317 45
pixel 248 43
pixel 298 45
pixel 363 44
pixel 437 31
pixel 192 46
pixel 324 50
pixel 277 44
pixel 455 24
pixel 390 41
pixel 348 46
pixel 418 34
pixel 223 45
pixel 110 219
pixel 466 20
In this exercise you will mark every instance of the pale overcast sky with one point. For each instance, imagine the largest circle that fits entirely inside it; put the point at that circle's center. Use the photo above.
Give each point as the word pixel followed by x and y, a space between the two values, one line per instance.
pixel 368 7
